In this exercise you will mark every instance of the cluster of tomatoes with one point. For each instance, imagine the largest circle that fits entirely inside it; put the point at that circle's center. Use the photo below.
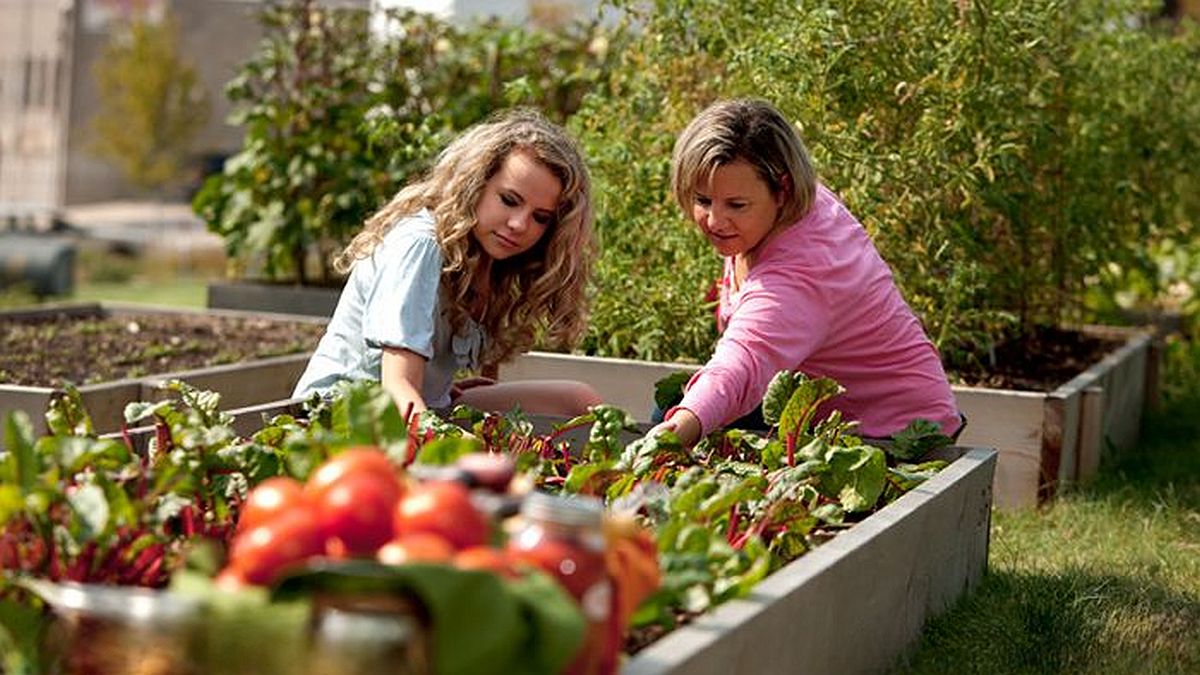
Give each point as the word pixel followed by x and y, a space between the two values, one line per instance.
pixel 357 504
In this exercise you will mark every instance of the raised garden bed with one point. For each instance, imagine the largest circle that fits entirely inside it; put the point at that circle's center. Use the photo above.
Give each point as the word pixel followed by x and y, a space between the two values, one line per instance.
pixel 884 577
pixel 1051 439
pixel 856 603
pixel 280 298
pixel 1046 439
pixel 117 354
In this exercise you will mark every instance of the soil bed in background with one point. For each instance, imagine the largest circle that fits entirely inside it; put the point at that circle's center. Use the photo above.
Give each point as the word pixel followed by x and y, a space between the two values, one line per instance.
pixel 51 351
pixel 1040 360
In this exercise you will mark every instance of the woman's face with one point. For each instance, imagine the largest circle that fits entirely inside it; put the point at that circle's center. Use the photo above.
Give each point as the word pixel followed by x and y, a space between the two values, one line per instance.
pixel 518 204
pixel 736 209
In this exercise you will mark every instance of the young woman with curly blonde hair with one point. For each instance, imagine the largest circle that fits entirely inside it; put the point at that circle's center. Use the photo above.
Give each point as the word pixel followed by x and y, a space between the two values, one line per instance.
pixel 463 269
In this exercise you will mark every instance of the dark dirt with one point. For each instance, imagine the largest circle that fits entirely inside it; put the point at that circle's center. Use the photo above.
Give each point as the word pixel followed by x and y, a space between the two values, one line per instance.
pixel 50 351
pixel 86 350
pixel 1040 360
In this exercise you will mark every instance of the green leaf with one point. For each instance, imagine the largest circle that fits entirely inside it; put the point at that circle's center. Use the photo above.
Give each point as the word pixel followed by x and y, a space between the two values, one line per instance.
pixel 731 492
pixel 21 464
pixel 604 438
pixel 686 501
pixel 582 474
pixel 802 405
pixel 445 451
pixel 141 410
pixel 67 416
pixel 74 454
pixel 856 477
pixel 779 392
pixel 787 482
pixel 12 502
pixel 91 510
pixel 833 514
pixel 920 437
pixel 21 630
pixel 908 476
pixel 669 390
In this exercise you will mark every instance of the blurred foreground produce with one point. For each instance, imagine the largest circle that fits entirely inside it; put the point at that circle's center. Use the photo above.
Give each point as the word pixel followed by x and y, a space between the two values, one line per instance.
pixel 327 533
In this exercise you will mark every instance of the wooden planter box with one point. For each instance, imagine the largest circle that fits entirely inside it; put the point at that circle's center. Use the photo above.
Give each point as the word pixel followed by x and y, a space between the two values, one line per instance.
pixel 1045 440
pixel 856 603
pixel 278 298
pixel 239 384
pixel 1049 440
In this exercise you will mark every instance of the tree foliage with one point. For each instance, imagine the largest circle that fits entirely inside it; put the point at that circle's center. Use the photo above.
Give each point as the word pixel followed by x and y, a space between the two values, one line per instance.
pixel 1001 154
pixel 1005 155
pixel 152 103
pixel 338 116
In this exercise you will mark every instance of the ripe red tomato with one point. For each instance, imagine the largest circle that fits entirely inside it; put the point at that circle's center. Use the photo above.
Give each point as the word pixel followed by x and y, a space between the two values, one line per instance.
pixel 362 459
pixel 415 547
pixel 486 559
pixel 262 552
pixel 443 508
pixel 269 498
pixel 576 569
pixel 357 509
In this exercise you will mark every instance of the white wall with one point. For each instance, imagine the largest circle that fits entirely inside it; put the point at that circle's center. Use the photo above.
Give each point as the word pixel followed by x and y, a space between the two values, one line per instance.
pixel 34 68
pixel 516 11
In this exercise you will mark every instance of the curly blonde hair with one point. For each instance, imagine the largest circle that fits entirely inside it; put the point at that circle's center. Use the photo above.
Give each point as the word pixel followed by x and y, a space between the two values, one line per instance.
pixel 539 292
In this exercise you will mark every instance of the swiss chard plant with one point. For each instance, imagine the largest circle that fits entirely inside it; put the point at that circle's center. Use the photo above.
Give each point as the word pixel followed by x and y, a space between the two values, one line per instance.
pixel 725 513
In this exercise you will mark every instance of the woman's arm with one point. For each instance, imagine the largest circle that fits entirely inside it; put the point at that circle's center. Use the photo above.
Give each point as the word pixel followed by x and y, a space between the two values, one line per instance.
pixel 778 322
pixel 403 376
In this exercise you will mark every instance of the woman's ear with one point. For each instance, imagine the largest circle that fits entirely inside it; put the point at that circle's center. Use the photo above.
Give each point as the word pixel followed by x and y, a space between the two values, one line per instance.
pixel 786 190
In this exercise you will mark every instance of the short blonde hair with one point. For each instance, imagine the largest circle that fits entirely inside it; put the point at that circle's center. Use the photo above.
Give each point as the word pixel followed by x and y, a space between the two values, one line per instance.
pixel 541 291
pixel 751 130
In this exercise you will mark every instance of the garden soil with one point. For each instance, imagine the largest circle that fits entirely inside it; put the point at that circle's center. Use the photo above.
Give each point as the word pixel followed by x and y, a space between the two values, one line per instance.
pixel 1040 360
pixel 51 351
pixel 86 350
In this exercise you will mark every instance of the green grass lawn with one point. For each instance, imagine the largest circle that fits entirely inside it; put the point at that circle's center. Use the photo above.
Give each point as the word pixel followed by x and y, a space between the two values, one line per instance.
pixel 183 291
pixel 1104 580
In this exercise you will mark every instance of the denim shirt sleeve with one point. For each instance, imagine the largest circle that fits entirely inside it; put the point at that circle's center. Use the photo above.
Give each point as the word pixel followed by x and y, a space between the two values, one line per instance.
pixel 401 307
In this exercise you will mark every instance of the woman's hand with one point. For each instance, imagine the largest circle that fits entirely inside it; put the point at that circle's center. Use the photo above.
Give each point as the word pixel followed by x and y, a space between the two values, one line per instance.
pixel 684 424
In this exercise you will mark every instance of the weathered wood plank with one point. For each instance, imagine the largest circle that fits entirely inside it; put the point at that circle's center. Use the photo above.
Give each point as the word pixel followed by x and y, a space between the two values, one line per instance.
pixel 856 603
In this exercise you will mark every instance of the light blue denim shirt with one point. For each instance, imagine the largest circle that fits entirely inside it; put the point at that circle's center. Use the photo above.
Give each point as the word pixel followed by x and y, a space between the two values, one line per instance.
pixel 392 299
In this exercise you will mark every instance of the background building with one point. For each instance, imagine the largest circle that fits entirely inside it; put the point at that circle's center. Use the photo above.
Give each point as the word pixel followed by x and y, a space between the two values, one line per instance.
pixel 48 92
pixel 537 11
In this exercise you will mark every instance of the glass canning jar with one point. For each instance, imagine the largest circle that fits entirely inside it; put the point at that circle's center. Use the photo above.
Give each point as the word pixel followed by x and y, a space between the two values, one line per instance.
pixel 564 537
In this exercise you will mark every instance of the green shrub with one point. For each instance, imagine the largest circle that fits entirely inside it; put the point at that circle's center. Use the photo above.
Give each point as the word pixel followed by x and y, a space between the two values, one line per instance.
pixel 337 118
pixel 1000 154
pixel 151 103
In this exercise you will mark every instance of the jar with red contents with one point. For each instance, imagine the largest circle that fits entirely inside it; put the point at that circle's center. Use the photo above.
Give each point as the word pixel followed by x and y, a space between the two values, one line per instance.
pixel 564 536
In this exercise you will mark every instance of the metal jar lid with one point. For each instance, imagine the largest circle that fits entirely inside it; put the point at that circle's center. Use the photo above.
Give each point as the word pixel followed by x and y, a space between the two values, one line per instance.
pixel 122 604
pixel 568 510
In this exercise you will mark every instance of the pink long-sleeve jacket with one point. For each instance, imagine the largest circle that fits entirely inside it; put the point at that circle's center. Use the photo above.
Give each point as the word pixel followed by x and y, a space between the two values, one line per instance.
pixel 820 299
